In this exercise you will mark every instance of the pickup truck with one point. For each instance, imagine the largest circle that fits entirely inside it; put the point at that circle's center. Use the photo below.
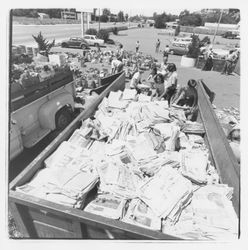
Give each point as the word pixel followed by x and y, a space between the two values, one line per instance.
pixel 39 109
pixel 40 218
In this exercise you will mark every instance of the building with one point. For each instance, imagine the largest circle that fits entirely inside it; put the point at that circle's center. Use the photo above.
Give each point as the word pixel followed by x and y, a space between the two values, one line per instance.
pixel 43 16
pixel 222 26
pixel 172 25
pixel 150 22
pixel 84 16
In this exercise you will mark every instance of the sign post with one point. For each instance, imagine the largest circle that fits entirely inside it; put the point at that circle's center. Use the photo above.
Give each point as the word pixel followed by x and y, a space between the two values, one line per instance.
pixel 85 13
pixel 82 23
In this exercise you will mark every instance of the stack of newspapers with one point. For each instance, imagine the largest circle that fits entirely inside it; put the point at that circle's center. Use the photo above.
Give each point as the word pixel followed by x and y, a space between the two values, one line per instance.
pixel 150 167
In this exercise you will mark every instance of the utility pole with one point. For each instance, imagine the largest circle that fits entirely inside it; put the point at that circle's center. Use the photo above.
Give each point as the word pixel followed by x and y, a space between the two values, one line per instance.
pixel 99 21
pixel 216 30
pixel 82 23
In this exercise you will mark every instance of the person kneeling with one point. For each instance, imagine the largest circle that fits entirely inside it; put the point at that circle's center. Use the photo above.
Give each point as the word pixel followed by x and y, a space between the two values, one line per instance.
pixel 187 98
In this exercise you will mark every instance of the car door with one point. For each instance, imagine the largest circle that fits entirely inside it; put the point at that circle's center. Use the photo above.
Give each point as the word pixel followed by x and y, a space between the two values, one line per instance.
pixel 73 42
pixel 92 40
pixel 88 40
pixel 77 42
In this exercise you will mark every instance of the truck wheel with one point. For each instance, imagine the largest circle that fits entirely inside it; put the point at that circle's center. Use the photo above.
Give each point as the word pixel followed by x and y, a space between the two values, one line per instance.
pixel 96 44
pixel 83 46
pixel 64 45
pixel 63 118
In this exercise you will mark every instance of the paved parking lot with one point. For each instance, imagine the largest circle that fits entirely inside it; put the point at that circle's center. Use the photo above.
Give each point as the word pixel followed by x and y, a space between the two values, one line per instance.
pixel 227 88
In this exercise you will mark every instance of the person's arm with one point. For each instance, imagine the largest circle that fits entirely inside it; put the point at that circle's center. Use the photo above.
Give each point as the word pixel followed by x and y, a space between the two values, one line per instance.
pixel 179 96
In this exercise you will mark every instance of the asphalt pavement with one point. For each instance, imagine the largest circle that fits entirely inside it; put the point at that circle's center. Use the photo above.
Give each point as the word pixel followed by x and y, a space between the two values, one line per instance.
pixel 22 34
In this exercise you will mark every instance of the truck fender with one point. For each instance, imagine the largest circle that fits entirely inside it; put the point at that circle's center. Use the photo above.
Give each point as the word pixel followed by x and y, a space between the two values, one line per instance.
pixel 16 146
pixel 48 110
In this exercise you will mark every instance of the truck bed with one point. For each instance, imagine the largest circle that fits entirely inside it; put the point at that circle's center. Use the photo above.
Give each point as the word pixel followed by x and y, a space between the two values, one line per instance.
pixel 37 218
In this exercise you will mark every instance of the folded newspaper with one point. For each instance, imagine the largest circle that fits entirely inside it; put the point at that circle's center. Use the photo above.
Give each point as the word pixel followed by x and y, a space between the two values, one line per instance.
pixel 163 192
pixel 140 214
pixel 107 205
pixel 194 165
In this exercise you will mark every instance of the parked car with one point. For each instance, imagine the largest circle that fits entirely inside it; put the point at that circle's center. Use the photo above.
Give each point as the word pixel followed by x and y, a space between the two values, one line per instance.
pixel 182 39
pixel 93 40
pixel 75 42
pixel 179 48
pixel 110 41
pixel 230 35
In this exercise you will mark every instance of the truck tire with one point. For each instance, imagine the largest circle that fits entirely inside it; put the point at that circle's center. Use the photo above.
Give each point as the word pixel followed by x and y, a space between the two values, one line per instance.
pixel 64 45
pixel 96 44
pixel 62 118
pixel 83 46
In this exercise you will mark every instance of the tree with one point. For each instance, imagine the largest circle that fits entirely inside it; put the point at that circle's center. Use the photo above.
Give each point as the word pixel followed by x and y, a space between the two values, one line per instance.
pixel 135 18
pixel 104 18
pixel 177 30
pixel 43 44
pixel 126 17
pixel 120 16
pixel 106 12
pixel 103 34
pixel 191 20
pixel 154 15
pixel 194 47
pixel 91 32
pixel 159 22
pixel 184 13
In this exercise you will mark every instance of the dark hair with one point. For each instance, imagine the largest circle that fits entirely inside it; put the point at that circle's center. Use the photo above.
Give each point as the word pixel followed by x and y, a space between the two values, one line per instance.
pixel 46 68
pixel 121 46
pixel 172 67
pixel 159 76
pixel 192 83
pixel 154 69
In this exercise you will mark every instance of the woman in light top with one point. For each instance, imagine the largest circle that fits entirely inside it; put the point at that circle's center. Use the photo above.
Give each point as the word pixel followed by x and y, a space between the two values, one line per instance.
pixel 170 82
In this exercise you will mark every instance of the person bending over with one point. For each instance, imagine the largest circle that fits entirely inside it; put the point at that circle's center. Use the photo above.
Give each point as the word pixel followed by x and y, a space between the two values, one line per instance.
pixel 170 82
pixel 187 98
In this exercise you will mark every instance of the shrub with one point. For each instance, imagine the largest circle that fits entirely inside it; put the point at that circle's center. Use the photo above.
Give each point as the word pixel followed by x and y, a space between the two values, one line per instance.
pixel 103 34
pixel 43 44
pixel 177 30
pixel 205 40
pixel 194 47
pixel 159 22
pixel 104 18
pixel 115 31
pixel 91 32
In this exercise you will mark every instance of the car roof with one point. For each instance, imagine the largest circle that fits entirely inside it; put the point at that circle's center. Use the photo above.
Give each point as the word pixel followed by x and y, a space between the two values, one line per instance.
pixel 75 37
pixel 181 42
